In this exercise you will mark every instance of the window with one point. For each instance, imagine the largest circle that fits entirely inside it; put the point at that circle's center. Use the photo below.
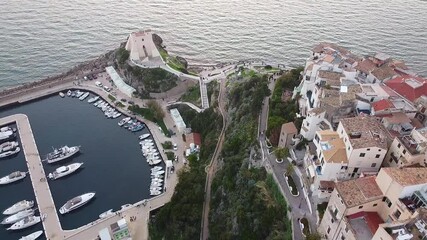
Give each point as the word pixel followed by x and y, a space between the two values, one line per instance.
pixel 362 155
pixel 377 156
pixel 317 138
pixel 404 151
pixel 346 228
pixel 360 207
pixel 348 148
pixel 398 145
pixel 397 214
pixel 329 230
pixel 344 167
pixel 368 149
pixel 379 150
pixel 332 220
pixel 386 200
pixel 373 164
pixel 375 204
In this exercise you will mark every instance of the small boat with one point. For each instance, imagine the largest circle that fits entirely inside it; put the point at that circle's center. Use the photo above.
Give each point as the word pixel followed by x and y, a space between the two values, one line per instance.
pixel 64 170
pixel 32 236
pixel 144 136
pixel 79 94
pixel 97 103
pixel 7 146
pixel 155 188
pixel 69 93
pixel 154 162
pixel 106 214
pixel 13 177
pixel 156 168
pixel 61 94
pixel 116 115
pixel 138 127
pixel 155 193
pixel 76 202
pixel 126 206
pixel 124 121
pixel 156 184
pixel 73 94
pixel 26 222
pixel 18 216
pixel 7 135
pixel 61 153
pixel 84 96
pixel 145 143
pixel 157 172
pixel 93 99
pixel 19 206
pixel 157 180
pixel 10 153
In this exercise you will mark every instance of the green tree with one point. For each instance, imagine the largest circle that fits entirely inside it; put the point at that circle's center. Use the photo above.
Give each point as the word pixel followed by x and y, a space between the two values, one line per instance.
pixel 122 55
pixel 313 236
pixel 282 153
pixel 157 109
pixel 289 169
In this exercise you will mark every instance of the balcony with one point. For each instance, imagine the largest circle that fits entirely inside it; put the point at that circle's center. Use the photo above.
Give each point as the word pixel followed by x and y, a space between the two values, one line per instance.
pixel 410 144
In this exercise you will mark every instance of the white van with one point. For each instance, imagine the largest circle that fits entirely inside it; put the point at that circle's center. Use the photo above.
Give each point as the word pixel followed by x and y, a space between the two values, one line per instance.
pixel 98 83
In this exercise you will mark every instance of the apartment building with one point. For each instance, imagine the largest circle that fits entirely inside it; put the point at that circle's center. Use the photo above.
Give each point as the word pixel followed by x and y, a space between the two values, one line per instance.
pixel 358 146
pixel 358 207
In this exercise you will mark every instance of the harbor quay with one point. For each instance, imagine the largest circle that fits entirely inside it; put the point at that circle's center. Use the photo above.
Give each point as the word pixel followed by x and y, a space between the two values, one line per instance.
pixel 136 215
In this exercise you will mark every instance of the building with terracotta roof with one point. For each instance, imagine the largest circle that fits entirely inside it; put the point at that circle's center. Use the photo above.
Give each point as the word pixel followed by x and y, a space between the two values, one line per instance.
pixel 358 208
pixel 409 87
pixel 408 150
pixel 288 132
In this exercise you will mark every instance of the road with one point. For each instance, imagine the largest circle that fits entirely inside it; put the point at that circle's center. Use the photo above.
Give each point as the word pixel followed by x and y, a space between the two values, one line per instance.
pixel 298 203
pixel 212 167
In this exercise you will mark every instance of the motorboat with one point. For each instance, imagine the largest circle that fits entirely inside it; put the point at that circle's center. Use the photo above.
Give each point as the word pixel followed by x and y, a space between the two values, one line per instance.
pixel 62 153
pixel 156 184
pixel 106 214
pixel 26 222
pixel 13 177
pixel 137 128
pixel 7 146
pixel 61 94
pixel 126 206
pixel 156 168
pixel 79 94
pixel 7 128
pixel 154 162
pixel 64 170
pixel 18 216
pixel 7 135
pixel 19 206
pixel 97 103
pixel 155 188
pixel 32 236
pixel 84 96
pixel 145 143
pixel 93 99
pixel 73 94
pixel 144 136
pixel 160 172
pixel 117 114
pixel 76 202
pixel 10 153
pixel 69 93
pixel 155 192
pixel 124 121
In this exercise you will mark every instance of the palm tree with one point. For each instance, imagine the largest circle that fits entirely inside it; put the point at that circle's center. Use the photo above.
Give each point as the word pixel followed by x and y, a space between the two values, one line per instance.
pixel 282 153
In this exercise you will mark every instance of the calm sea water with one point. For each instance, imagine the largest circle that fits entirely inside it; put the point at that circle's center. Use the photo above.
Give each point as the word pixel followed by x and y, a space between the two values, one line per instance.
pixel 40 38
pixel 113 163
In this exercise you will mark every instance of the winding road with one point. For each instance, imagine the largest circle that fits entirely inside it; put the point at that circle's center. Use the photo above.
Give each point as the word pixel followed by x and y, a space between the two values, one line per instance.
pixel 212 167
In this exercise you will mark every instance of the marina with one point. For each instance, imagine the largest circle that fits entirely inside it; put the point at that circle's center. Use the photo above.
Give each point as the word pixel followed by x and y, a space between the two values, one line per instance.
pixel 70 221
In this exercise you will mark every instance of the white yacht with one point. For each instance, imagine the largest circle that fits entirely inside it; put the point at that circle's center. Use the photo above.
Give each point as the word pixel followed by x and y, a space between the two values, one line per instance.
pixel 19 206
pixel 106 214
pixel 64 170
pixel 61 94
pixel 93 99
pixel 123 121
pixel 69 93
pixel 117 114
pixel 144 136
pixel 156 184
pixel 7 135
pixel 7 146
pixel 76 202
pixel 154 162
pixel 79 94
pixel 84 96
pixel 32 236
pixel 61 153
pixel 156 168
pixel 26 222
pixel 10 153
pixel 155 192
pixel 13 177
pixel 18 216
pixel 160 172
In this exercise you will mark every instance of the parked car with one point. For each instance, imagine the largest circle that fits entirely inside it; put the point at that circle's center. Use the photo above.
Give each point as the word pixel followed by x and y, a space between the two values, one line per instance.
pixel 175 147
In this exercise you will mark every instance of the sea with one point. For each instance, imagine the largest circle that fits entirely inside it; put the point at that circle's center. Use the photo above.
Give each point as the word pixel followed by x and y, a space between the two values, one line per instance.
pixel 40 38
pixel 113 165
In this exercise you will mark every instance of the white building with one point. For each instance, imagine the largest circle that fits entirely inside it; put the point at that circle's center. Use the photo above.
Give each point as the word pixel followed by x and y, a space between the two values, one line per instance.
pixel 118 81
pixel 179 122
pixel 358 146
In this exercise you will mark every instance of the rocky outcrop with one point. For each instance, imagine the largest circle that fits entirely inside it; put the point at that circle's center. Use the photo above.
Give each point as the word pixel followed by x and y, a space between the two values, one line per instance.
pixel 182 61
pixel 158 41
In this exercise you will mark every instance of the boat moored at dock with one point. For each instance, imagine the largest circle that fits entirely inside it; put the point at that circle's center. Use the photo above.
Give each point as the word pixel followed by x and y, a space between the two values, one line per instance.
pixel 13 177
pixel 10 153
pixel 19 206
pixel 32 236
pixel 8 146
pixel 76 202
pixel 61 153
pixel 18 216
pixel 26 222
pixel 64 170
pixel 106 214
pixel 61 94
pixel 84 96
pixel 93 99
